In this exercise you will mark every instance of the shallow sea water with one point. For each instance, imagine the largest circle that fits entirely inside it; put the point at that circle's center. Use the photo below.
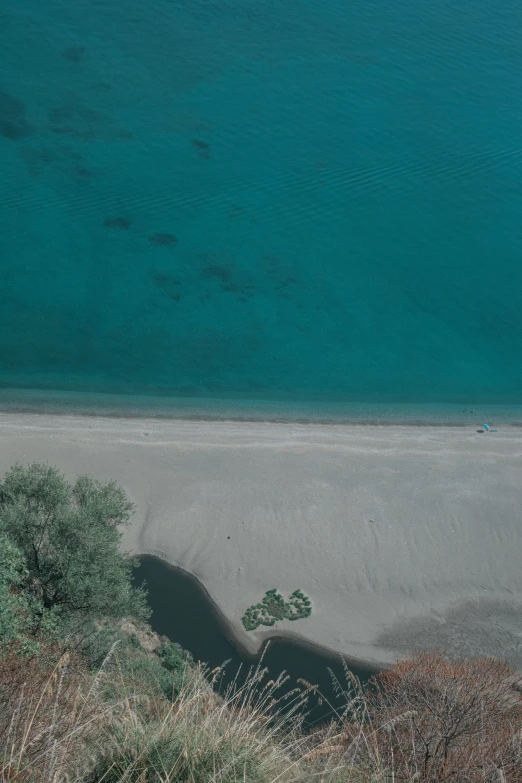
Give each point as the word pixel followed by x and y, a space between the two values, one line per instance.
pixel 243 199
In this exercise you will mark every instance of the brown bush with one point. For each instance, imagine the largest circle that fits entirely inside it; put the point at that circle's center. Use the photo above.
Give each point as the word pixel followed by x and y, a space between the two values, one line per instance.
pixel 44 700
pixel 437 720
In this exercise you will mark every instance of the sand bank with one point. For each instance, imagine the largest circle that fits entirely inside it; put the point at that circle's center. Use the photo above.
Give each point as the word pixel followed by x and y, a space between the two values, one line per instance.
pixel 403 537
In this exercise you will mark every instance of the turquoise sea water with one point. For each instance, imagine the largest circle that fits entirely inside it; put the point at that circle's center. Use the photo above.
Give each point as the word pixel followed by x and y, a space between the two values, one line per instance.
pixel 310 203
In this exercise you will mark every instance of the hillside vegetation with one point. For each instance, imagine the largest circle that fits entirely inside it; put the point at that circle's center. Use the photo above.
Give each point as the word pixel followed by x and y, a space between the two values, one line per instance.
pixel 89 693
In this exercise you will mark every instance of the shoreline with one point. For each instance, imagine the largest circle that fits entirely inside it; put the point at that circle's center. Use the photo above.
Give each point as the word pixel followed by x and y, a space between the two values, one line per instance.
pixel 402 536
pixel 324 411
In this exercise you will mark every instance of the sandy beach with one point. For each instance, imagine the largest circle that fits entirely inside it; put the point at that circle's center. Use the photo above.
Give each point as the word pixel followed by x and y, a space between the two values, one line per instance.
pixel 403 537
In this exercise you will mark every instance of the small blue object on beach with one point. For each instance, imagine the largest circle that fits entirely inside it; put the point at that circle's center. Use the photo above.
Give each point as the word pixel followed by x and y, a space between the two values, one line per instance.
pixel 486 426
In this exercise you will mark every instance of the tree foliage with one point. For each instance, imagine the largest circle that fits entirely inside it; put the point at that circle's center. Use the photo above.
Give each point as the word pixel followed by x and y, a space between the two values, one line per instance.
pixel 62 562
pixel 16 615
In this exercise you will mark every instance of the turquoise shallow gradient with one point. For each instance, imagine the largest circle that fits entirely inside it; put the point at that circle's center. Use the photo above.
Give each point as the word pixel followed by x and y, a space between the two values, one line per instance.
pixel 343 182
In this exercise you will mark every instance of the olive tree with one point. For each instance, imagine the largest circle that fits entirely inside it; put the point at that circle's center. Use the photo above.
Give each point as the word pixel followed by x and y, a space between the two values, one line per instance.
pixel 65 555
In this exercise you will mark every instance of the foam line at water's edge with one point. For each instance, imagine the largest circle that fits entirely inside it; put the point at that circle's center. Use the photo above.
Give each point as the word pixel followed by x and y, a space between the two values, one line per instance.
pixel 297 411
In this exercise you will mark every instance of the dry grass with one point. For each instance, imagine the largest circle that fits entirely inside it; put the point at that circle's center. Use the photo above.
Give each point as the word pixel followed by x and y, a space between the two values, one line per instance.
pixel 60 723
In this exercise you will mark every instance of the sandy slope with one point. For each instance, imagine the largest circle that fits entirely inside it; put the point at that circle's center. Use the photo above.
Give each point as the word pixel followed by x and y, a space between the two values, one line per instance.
pixel 403 537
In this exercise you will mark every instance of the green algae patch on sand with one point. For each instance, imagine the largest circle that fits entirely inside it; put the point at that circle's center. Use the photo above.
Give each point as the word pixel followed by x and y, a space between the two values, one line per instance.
pixel 273 607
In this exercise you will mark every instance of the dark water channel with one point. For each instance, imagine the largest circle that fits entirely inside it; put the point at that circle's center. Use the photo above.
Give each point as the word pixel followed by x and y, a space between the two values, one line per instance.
pixel 183 611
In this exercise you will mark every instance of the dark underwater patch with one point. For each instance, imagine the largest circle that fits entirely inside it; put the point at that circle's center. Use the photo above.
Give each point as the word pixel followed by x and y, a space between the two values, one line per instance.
pixel 163 240
pixel 13 118
pixel 74 54
pixel 119 223
pixel 202 147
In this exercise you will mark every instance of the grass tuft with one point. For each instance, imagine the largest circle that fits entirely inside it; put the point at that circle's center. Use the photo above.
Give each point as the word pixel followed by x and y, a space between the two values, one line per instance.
pixel 427 720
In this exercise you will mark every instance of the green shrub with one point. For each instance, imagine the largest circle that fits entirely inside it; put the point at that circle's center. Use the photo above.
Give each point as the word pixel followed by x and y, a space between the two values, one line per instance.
pixel 274 608
pixel 64 553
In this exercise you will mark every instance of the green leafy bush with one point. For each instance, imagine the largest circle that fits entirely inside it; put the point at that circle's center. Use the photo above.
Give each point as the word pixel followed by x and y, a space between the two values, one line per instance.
pixel 62 565
pixel 274 608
